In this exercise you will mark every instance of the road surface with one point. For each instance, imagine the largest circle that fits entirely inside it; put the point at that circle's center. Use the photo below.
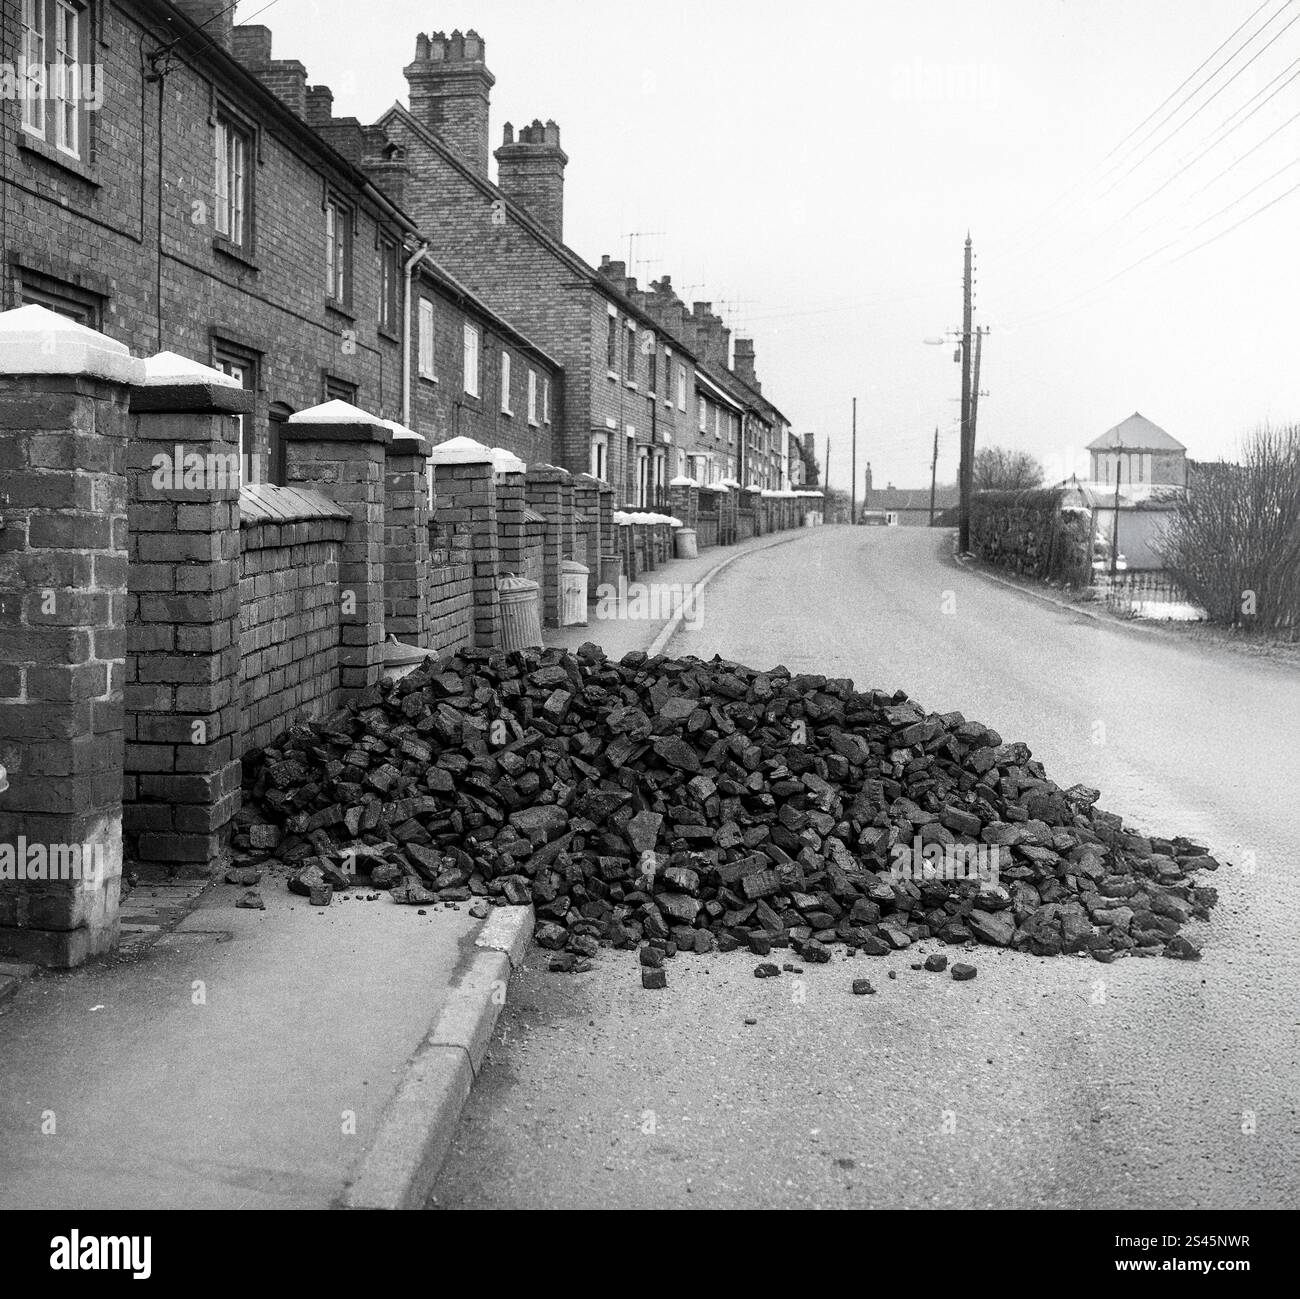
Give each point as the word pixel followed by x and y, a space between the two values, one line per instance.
pixel 1052 1083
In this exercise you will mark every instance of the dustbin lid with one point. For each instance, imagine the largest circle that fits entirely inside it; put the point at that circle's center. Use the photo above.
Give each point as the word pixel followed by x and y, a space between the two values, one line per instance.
pixel 512 583
pixel 572 566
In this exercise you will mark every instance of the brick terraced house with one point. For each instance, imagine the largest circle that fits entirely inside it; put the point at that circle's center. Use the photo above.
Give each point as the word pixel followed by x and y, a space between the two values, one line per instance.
pixel 210 204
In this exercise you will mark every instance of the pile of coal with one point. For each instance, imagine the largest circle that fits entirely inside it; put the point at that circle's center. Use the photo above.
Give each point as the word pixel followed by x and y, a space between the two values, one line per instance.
pixel 695 805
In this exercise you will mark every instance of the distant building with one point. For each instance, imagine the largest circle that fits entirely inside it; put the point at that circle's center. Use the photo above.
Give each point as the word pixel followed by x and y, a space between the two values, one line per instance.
pixel 907 506
pixel 1139 452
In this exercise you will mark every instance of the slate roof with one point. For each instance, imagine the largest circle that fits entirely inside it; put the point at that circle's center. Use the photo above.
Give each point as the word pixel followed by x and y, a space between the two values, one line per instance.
pixel 1137 433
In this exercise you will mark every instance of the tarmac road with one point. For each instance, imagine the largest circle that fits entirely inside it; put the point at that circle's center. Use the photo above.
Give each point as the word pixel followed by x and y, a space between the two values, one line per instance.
pixel 1058 1083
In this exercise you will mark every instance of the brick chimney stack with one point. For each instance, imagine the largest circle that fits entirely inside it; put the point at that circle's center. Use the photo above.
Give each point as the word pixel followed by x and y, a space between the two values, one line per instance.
pixel 530 170
pixel 286 79
pixel 449 90
pixel 744 363
pixel 216 17
pixel 714 337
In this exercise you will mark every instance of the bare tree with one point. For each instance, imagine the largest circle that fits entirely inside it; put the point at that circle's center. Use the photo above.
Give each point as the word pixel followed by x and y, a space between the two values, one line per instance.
pixel 1235 541
pixel 998 469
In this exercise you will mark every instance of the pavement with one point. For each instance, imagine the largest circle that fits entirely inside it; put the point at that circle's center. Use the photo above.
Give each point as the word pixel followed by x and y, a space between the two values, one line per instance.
pixel 660 601
pixel 1043 1083
pixel 297 1057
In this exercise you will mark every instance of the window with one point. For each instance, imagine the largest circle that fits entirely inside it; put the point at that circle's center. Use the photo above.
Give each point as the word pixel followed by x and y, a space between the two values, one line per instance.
pixel 67 299
pixel 241 370
pixel 428 364
pixel 611 345
pixel 338 253
pixel 652 365
pixel 532 396
pixel 505 384
pixel 600 456
pixel 546 401
pixel 717 421
pixel 681 387
pixel 55 73
pixel 731 430
pixel 232 154
pixel 629 354
pixel 704 416
pixel 471 360
pixel 388 275
pixel 340 390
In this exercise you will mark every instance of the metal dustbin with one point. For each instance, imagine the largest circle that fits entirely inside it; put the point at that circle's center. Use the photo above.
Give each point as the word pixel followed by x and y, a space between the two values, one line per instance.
pixel 401 659
pixel 684 543
pixel 611 574
pixel 521 623
pixel 573 593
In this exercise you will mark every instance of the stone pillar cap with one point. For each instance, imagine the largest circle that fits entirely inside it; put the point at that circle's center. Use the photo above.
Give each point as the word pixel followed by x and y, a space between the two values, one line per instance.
pixel 36 340
pixel 461 451
pixel 168 369
pixel 506 462
pixel 335 412
pixel 682 481
pixel 406 439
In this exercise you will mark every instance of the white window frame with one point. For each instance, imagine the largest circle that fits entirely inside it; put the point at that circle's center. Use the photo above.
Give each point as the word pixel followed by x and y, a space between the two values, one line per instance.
pixel 338 252
pixel 681 387
pixel 532 397
pixel 32 48
pixel 248 463
pixel 428 351
pixel 231 155
pixel 546 400
pixel 65 92
pixel 505 383
pixel 470 360
pixel 703 414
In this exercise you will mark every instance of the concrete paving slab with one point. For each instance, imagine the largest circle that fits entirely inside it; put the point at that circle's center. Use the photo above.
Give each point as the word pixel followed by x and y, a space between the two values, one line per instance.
pixel 243 1060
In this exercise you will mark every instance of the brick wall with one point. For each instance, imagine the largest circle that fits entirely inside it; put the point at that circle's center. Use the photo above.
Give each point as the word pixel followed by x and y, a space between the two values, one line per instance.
pixel 288 615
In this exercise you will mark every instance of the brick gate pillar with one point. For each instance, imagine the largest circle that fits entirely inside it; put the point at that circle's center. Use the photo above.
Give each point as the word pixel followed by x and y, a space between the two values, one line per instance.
pixel 341 452
pixel 64 421
pixel 182 633
pixel 550 493
pixel 511 534
pixel 406 537
pixel 587 500
pixel 464 485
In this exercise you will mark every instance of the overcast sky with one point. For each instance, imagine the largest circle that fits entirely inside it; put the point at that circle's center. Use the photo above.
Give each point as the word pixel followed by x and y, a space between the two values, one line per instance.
pixel 812 170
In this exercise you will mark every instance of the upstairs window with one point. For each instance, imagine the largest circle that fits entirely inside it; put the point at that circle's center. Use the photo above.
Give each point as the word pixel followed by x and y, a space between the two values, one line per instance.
pixel 231 184
pixel 611 344
pixel 532 396
pixel 652 364
pixel 629 354
pixel 428 366
pixel 681 387
pixel 704 416
pixel 338 252
pixel 57 81
pixel 546 401
pixel 505 384
pixel 471 360
pixel 388 276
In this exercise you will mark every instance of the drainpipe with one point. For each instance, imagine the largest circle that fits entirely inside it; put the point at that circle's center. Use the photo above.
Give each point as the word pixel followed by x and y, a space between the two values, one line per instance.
pixel 412 262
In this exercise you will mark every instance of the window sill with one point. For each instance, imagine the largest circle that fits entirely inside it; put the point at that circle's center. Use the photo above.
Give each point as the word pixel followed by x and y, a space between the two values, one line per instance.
pixel 236 252
pixel 428 378
pixel 630 383
pixel 507 414
pixel 612 374
pixel 391 334
pixel 340 308
pixel 77 167
pixel 532 423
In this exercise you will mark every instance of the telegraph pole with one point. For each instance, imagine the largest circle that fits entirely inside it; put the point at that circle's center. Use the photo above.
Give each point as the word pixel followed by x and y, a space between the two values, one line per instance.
pixel 964 474
pixel 934 469
pixel 853 471
pixel 975 396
